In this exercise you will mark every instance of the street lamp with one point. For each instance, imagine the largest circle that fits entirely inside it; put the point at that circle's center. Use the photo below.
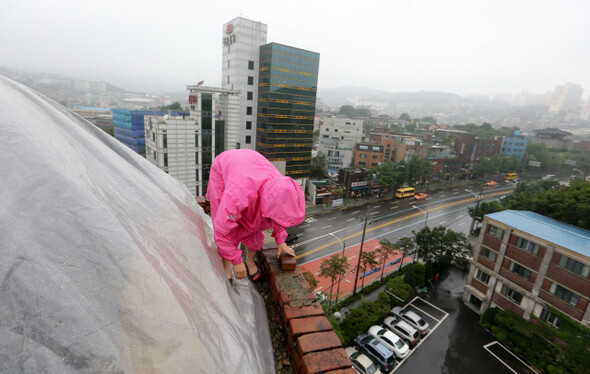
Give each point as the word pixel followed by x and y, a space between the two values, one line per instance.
pixel 425 222
pixel 340 279
pixel 477 199
pixel 579 171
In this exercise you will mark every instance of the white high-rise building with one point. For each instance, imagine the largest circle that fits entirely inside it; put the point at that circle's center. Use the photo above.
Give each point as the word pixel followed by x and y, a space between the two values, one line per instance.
pixel 241 40
pixel 566 98
pixel 337 139
pixel 185 146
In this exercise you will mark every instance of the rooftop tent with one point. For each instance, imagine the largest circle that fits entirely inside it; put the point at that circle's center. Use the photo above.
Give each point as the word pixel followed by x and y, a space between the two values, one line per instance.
pixel 107 263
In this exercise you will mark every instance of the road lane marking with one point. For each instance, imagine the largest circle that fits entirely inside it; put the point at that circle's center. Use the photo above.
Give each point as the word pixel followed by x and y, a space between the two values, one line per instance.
pixel 374 213
pixel 355 212
pixel 486 347
pixel 325 227
pixel 394 207
pixel 352 219
pixel 331 218
pixel 396 221
pixel 376 206
pixel 443 222
pixel 461 224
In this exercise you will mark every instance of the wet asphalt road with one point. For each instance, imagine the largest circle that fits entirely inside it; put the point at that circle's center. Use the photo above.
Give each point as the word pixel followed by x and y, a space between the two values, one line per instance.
pixel 456 346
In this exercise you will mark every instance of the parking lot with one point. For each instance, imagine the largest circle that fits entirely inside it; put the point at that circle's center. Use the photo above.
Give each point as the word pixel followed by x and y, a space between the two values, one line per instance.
pixel 509 359
pixel 433 315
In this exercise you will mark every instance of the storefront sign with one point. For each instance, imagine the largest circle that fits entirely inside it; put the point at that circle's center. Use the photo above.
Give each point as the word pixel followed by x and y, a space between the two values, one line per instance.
pixel 359 184
pixel 228 40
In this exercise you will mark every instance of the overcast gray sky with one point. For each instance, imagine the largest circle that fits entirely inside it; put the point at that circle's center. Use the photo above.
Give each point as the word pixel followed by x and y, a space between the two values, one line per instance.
pixel 459 46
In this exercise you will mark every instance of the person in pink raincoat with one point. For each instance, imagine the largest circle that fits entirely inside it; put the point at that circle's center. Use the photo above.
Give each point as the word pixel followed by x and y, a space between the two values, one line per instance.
pixel 248 195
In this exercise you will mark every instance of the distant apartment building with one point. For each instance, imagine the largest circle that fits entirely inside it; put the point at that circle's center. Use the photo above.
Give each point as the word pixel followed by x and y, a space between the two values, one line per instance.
pixel 337 139
pixel 368 155
pixel 128 127
pixel 287 92
pixel 184 146
pixel 566 98
pixel 241 40
pixel 515 145
pixel 529 263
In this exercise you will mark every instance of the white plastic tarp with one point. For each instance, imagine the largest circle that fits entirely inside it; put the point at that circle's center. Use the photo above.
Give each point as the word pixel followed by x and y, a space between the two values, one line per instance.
pixel 107 264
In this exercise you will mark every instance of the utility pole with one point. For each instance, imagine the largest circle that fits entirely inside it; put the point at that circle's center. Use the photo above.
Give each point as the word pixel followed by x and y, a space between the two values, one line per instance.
pixel 477 199
pixel 358 265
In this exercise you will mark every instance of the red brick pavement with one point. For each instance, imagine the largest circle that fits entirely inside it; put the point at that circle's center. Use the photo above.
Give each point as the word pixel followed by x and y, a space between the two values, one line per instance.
pixel 351 254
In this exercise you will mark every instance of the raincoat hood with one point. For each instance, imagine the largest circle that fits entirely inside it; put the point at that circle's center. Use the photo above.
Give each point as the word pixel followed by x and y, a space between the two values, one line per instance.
pixel 282 200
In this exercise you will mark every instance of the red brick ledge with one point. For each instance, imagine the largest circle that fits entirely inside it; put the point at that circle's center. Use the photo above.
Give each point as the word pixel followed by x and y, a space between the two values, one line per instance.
pixel 312 345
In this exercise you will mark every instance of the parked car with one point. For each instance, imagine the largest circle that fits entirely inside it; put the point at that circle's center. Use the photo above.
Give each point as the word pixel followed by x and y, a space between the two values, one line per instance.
pixel 402 329
pixel 420 196
pixel 413 319
pixel 491 183
pixel 376 351
pixel 391 341
pixel 361 363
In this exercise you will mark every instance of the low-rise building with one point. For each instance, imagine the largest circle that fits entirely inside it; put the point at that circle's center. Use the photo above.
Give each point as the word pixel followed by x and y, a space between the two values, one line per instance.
pixel 515 145
pixel 530 263
pixel 368 155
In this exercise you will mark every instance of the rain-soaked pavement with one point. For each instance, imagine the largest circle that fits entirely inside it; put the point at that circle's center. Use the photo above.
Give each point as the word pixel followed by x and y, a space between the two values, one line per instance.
pixel 456 346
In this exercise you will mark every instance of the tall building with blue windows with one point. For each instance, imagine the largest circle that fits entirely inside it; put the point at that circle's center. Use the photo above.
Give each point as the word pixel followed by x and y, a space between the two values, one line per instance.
pixel 128 127
pixel 287 92
pixel 515 145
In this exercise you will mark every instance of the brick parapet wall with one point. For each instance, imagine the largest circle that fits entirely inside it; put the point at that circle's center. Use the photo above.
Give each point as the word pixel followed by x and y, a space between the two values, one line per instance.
pixel 312 345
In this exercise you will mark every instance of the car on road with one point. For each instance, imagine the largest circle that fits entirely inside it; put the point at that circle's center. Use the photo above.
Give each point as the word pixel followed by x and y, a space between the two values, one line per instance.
pixel 420 196
pixel 376 351
pixel 413 319
pixel 291 238
pixel 361 363
pixel 402 329
pixel 549 176
pixel 491 183
pixel 391 341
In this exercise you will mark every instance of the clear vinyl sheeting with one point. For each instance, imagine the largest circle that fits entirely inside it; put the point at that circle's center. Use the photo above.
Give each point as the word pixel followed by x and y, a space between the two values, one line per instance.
pixel 107 264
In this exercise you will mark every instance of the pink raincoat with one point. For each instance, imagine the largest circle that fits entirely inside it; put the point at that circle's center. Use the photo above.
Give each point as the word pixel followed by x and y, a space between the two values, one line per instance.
pixel 248 194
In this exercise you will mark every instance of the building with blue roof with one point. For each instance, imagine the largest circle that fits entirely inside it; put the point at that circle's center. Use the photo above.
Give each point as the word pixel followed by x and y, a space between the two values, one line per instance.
pixel 529 263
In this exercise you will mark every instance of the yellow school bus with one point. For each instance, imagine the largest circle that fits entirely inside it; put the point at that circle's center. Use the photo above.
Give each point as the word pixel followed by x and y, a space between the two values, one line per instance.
pixel 510 176
pixel 405 192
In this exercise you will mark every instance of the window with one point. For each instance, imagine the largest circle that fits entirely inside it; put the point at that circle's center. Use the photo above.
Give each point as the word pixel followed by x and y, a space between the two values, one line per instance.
pixel 511 294
pixel 155 155
pixel 574 266
pixel 228 64
pixel 564 294
pixel 362 156
pixel 250 81
pixel 249 110
pixel 527 246
pixel 375 156
pixel 249 95
pixel 496 232
pixel 196 140
pixel 362 163
pixel 250 65
pixel 489 254
pixel 196 158
pixel 364 147
pixel 519 270
pixel 248 139
pixel 164 141
pixel 196 175
pixel 474 301
pixel 248 125
pixel 153 136
pixel 165 159
pixel 549 317
pixel 483 277
pixel 228 79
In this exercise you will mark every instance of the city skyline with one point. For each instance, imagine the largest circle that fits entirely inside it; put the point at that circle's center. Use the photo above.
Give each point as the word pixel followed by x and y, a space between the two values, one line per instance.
pixel 455 46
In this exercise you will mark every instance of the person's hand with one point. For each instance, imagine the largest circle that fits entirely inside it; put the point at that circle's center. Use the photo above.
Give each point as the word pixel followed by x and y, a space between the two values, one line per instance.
pixel 240 271
pixel 283 247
